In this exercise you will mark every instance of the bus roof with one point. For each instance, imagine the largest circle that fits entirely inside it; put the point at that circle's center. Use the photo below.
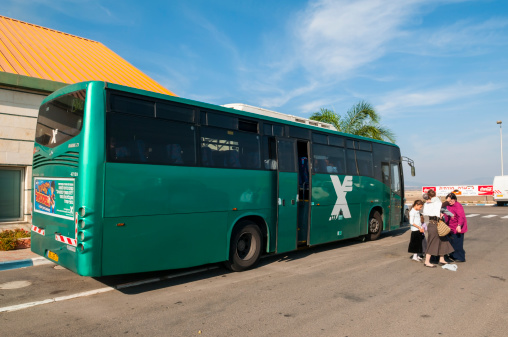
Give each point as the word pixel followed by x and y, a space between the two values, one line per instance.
pixel 244 112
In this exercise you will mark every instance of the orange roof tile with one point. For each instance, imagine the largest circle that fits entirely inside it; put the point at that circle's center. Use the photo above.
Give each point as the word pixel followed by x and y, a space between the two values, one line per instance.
pixel 31 50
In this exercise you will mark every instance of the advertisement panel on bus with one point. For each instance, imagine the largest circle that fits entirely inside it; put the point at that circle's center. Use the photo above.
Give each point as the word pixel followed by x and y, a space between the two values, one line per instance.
pixel 54 197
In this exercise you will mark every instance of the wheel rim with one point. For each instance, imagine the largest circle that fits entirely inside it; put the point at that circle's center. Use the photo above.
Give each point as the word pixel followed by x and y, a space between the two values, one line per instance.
pixel 246 246
pixel 373 225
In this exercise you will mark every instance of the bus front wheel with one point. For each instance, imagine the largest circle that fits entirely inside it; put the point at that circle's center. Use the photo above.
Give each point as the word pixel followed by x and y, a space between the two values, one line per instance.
pixel 245 246
pixel 375 226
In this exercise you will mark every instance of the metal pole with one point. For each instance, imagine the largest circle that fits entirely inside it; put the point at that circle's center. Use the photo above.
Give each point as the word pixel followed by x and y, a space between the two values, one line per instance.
pixel 501 133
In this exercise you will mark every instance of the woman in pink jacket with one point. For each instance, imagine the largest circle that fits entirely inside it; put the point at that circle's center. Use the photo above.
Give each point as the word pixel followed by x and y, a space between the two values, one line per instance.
pixel 458 227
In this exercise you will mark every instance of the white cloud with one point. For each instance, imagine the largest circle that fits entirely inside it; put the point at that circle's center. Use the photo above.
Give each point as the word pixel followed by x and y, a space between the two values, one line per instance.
pixel 337 37
pixel 462 38
pixel 287 95
pixel 334 40
pixel 400 100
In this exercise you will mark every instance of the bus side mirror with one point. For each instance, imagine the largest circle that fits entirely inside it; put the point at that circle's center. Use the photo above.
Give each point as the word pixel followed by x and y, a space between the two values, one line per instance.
pixel 411 163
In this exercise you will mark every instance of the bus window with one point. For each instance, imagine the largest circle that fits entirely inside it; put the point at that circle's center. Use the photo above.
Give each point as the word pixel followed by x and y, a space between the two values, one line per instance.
pixel 299 132
pixel 230 149
pixel 336 141
pixel 319 138
pixel 133 139
pixel 60 119
pixel 268 129
pixel 174 112
pixel 278 130
pixel 364 146
pixel 131 105
pixel 365 166
pixel 222 121
pixel 385 173
pixel 395 178
pixel 351 162
pixel 328 159
pixel 286 159
pixel 269 153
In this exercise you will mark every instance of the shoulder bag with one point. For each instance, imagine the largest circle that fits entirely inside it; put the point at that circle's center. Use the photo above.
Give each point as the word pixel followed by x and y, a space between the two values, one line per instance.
pixel 442 228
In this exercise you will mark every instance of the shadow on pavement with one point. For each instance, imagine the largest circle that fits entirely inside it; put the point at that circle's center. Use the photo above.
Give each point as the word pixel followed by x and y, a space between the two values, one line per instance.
pixel 132 284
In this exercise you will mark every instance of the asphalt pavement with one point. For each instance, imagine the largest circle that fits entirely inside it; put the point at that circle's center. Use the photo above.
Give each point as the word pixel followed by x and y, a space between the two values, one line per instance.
pixel 348 288
pixel 22 258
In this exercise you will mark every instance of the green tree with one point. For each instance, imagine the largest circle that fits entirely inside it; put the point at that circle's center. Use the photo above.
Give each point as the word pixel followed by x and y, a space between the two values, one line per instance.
pixel 361 120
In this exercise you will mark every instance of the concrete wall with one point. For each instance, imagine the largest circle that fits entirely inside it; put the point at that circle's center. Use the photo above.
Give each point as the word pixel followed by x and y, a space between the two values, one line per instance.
pixel 18 118
pixel 20 98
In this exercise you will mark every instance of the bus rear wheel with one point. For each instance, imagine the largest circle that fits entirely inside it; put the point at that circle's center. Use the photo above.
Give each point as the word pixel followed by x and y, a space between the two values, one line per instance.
pixel 375 226
pixel 245 246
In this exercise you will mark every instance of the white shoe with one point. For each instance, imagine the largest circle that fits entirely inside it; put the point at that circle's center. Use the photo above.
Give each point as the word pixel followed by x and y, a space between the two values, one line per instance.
pixel 417 259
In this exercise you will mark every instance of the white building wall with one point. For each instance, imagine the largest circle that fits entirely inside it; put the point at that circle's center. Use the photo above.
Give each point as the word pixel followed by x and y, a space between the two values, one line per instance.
pixel 18 118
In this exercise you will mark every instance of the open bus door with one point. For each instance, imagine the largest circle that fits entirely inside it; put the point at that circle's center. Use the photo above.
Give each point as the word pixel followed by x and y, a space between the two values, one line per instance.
pixel 287 192
pixel 396 198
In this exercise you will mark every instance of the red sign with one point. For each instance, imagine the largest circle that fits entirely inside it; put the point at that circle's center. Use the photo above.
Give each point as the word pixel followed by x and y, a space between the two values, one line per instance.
pixel 426 189
pixel 485 190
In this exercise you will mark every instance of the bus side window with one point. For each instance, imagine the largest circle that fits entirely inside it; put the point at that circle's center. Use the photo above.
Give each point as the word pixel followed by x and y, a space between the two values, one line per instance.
pixel 232 159
pixel 117 150
pixel 141 150
pixel 206 156
pixel 269 153
pixel 250 160
pixel 174 153
pixel 385 172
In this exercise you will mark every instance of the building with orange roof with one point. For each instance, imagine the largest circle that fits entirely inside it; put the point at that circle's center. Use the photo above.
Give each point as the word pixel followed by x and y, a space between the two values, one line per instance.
pixel 34 62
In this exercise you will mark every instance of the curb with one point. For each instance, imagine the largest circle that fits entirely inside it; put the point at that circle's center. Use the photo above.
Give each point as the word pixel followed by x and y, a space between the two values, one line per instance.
pixel 37 261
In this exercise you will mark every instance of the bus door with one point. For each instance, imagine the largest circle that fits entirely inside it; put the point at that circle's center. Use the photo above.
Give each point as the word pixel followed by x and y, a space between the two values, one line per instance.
pixel 395 195
pixel 287 192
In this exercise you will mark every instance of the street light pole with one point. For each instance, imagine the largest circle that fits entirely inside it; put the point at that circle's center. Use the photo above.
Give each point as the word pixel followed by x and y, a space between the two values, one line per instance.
pixel 501 133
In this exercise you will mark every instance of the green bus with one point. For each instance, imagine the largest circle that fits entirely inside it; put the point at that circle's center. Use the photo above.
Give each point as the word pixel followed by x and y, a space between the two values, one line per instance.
pixel 128 181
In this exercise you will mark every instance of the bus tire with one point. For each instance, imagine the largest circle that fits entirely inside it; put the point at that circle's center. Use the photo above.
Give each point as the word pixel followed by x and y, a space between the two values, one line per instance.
pixel 375 226
pixel 245 246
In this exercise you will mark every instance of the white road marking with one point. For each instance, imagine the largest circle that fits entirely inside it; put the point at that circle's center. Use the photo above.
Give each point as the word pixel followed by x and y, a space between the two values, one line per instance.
pixel 102 290
pixel 505 217
pixel 471 215
pixel 56 299
pixel 489 216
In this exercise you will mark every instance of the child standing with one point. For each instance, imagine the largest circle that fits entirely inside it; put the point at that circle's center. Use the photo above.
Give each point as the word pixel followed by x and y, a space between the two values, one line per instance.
pixel 417 231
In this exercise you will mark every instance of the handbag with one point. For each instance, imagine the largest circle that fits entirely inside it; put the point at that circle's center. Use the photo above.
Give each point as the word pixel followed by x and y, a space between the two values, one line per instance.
pixel 442 228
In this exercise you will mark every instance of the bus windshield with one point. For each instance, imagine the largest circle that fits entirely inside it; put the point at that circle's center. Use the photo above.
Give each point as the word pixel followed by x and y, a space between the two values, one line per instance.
pixel 60 119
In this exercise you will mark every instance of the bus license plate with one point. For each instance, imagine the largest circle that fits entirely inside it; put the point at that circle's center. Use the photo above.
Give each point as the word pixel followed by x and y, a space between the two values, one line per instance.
pixel 499 195
pixel 52 256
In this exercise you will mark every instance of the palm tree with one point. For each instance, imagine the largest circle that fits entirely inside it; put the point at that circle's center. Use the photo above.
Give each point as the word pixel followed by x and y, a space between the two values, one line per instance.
pixel 360 120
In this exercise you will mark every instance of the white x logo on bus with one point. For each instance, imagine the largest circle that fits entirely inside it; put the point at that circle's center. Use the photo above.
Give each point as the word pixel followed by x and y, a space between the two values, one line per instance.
pixel 341 190
pixel 53 140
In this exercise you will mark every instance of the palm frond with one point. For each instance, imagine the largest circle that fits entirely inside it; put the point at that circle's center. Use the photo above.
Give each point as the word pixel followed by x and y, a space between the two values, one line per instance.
pixel 361 119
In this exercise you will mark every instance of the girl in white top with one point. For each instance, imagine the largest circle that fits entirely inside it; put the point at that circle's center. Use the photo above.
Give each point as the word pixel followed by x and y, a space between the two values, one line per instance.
pixel 417 231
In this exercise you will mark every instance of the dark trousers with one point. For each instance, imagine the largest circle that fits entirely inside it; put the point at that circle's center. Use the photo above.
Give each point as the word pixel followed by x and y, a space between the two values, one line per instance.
pixel 457 241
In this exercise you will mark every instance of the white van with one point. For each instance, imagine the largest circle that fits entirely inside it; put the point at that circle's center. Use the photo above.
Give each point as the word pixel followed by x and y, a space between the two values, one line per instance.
pixel 501 190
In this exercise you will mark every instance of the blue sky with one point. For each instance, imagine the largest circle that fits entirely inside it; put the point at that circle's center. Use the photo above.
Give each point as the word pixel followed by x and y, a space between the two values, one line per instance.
pixel 435 70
